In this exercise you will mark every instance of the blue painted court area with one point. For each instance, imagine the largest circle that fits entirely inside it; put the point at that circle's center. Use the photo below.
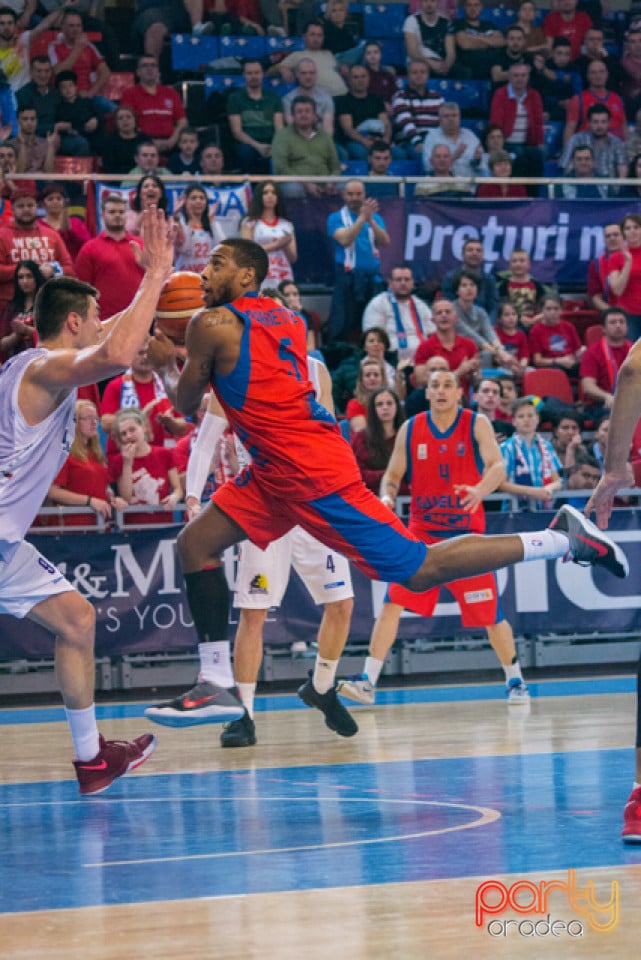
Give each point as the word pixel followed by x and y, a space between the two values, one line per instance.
pixel 285 829
pixel 407 695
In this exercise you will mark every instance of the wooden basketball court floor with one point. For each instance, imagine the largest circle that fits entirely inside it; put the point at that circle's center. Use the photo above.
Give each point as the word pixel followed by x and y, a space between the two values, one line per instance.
pixel 309 846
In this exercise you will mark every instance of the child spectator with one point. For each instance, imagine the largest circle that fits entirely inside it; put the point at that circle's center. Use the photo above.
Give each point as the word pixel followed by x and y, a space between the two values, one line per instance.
pixel 513 340
pixel 532 467
pixel 185 159
pixel 555 342
pixel 517 286
pixel 143 474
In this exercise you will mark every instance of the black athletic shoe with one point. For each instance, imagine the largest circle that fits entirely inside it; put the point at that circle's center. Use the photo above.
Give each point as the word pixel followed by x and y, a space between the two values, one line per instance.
pixel 239 733
pixel 590 546
pixel 336 716
pixel 204 703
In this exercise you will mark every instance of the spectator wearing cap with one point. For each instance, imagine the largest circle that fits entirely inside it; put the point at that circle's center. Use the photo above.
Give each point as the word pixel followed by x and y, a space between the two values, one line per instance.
pixel 73 230
pixel 30 239
pixel 34 154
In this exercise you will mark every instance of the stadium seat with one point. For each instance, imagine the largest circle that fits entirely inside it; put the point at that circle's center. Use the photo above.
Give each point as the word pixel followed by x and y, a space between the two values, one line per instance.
pixel 553 138
pixel 405 168
pixel 384 19
pixel 580 317
pixel 193 53
pixel 221 82
pixel 469 94
pixel 63 164
pixel 548 383
pixel 592 333
pixel 284 44
pixel 393 52
pixel 244 48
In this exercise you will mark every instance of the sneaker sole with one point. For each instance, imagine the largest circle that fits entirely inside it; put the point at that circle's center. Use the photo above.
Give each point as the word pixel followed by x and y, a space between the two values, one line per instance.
pixel 601 538
pixel 231 744
pixel 169 717
pixel 349 693
pixel 631 837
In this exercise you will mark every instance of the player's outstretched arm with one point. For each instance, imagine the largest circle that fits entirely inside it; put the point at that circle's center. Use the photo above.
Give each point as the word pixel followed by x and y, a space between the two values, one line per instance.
pixel 118 341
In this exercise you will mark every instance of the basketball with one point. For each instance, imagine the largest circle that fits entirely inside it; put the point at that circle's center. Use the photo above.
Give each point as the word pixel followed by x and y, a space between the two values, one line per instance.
pixel 181 296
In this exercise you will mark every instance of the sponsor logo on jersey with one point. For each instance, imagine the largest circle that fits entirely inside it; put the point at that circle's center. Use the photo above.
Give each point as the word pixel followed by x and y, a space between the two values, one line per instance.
pixel 259 584
pixel 46 566
pixel 332 586
pixel 460 449
pixel 421 451
pixel 478 596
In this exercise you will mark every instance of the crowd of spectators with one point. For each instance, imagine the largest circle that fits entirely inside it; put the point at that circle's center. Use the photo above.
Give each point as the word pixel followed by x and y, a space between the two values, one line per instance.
pixel 333 107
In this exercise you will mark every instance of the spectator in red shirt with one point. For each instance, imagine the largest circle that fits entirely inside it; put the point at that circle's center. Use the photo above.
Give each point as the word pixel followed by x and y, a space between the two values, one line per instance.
pixel 141 389
pixel 158 108
pixel 73 230
pixel 108 262
pixel 513 340
pixel 73 51
pixel 84 477
pixel 598 286
pixel 518 110
pixel 624 274
pixel 567 22
pixel 30 239
pixel 500 164
pixel 144 474
pixel 596 92
pixel 601 362
pixel 555 342
pixel 461 353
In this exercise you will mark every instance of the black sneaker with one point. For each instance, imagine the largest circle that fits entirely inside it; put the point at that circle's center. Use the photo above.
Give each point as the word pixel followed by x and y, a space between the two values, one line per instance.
pixel 239 733
pixel 204 703
pixel 336 716
pixel 589 546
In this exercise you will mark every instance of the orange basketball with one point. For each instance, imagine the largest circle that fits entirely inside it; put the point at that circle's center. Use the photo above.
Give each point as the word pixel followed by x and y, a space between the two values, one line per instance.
pixel 181 296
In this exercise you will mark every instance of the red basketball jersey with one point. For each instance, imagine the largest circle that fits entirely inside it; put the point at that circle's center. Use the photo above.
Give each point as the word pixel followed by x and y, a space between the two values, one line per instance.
pixel 437 462
pixel 295 444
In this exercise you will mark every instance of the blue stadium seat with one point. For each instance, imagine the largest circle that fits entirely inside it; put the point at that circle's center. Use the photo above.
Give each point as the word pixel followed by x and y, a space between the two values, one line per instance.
pixel 355 168
pixel 405 168
pixel 284 44
pixel 384 19
pixel 393 53
pixel 553 138
pixel 469 94
pixel 192 53
pixel 499 17
pixel 222 82
pixel 245 48
pixel 345 430
pixel 477 126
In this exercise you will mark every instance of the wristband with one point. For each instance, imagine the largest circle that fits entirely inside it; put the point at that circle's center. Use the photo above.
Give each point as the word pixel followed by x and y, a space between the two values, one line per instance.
pixel 388 501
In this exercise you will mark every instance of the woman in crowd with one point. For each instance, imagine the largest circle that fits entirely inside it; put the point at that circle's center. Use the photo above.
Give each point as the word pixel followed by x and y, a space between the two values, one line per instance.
pixel 633 191
pixel 119 151
pixel 624 274
pixel 84 477
pixel 500 164
pixel 535 39
pixel 17 331
pixel 150 192
pixel 143 474
pixel 72 229
pixel 375 343
pixel 198 229
pixel 473 322
pixel 291 299
pixel 374 444
pixel 266 223
pixel 371 377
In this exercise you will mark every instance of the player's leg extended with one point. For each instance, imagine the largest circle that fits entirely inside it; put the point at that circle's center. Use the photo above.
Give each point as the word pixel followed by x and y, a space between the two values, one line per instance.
pixel 362 687
pixel 248 654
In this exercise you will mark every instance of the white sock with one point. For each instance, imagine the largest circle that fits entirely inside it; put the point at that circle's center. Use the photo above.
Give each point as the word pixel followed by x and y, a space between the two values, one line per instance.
pixel 247 691
pixel 512 671
pixel 215 663
pixel 84 732
pixel 373 669
pixel 324 674
pixel 544 544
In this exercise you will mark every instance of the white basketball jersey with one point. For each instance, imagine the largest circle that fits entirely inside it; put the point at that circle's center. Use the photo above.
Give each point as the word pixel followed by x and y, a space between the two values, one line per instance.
pixel 30 457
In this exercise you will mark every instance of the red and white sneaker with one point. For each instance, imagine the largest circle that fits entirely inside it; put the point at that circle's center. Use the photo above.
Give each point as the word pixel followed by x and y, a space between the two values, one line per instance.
pixel 631 832
pixel 115 758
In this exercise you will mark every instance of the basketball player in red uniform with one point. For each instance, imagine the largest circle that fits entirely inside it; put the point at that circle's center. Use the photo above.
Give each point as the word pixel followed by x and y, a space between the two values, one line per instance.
pixel 253 351
pixel 452 461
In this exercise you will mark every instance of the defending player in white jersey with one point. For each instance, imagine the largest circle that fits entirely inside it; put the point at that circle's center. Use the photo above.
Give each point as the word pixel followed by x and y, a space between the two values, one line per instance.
pixel 37 408
pixel 261 582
